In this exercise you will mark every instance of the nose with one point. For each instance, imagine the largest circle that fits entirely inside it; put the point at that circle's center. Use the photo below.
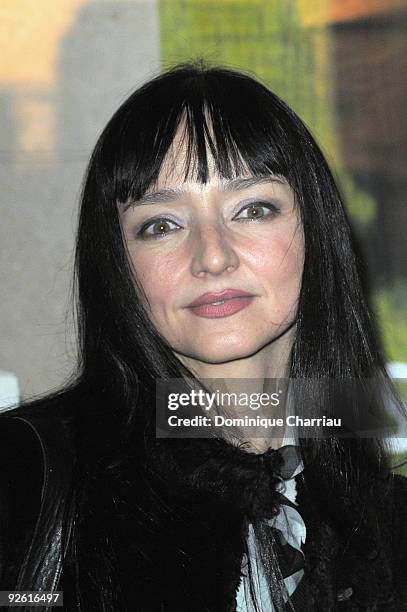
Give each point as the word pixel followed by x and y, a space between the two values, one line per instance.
pixel 212 252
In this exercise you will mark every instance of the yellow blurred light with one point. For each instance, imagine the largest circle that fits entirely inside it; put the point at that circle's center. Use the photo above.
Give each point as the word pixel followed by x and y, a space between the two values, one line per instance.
pixel 30 34
pixel 316 13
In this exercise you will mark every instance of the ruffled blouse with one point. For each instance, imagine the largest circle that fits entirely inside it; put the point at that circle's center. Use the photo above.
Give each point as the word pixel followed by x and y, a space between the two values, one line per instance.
pixel 290 529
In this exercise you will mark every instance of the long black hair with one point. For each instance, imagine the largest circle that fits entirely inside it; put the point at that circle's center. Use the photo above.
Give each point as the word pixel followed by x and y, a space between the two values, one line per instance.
pixel 121 355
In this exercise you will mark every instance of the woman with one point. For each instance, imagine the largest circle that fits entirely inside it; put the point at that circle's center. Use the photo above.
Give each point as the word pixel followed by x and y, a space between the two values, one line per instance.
pixel 212 244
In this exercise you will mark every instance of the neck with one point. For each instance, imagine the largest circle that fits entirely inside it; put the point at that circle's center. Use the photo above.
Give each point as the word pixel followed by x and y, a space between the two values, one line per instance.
pixel 249 375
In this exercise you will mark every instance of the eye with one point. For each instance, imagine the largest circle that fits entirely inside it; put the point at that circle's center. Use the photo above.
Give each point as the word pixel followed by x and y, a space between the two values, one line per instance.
pixel 155 228
pixel 257 210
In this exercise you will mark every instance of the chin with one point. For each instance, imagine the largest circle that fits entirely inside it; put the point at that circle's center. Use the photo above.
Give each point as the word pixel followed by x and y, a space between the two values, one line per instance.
pixel 224 354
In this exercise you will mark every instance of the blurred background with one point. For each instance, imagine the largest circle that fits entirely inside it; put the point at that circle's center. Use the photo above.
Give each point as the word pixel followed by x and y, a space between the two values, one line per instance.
pixel 66 66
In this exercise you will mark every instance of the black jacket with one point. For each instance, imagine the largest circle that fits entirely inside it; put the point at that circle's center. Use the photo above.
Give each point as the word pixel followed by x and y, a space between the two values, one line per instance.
pixel 37 450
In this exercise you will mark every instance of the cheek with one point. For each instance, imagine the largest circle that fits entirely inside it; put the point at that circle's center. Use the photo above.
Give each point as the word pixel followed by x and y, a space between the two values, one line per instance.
pixel 278 263
pixel 157 275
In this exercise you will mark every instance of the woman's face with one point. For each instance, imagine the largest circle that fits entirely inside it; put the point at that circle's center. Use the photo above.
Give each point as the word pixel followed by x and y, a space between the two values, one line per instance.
pixel 240 238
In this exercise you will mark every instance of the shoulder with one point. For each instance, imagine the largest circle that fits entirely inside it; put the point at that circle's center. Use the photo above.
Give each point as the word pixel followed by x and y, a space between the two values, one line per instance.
pixel 37 436
pixel 53 416
pixel 36 460
pixel 21 481
pixel 61 405
pixel 399 486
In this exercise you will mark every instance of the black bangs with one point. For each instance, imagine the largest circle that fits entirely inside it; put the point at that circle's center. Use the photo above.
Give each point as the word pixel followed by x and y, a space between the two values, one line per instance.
pixel 245 128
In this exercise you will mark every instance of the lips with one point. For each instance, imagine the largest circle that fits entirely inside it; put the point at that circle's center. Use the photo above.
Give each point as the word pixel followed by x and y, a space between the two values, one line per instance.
pixel 222 296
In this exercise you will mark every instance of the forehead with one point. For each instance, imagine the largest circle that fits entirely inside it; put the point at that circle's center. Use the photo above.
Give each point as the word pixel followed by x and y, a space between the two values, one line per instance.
pixel 179 171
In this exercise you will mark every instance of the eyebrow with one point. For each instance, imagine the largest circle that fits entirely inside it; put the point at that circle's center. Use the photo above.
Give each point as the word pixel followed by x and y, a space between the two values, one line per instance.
pixel 169 195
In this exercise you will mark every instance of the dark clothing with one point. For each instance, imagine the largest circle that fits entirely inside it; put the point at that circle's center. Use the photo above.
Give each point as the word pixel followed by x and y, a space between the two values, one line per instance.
pixel 196 565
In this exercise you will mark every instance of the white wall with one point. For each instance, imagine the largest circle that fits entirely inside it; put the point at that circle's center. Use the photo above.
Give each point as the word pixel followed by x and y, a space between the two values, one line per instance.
pixel 47 133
